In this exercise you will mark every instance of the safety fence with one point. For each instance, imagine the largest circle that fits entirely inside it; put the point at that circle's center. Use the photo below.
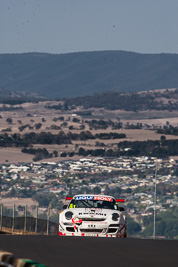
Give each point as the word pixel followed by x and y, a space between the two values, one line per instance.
pixel 28 219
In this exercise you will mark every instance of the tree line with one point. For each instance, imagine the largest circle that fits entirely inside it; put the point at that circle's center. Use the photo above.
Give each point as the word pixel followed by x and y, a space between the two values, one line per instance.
pixel 159 148
pixel 171 130
pixel 125 101
pixel 39 153
pixel 166 224
pixel 17 140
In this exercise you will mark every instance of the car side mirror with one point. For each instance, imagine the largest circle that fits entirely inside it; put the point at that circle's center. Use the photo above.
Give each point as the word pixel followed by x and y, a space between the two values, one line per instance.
pixel 121 209
pixel 64 207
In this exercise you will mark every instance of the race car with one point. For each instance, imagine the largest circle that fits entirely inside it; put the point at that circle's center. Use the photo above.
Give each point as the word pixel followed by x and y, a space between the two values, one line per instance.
pixel 93 215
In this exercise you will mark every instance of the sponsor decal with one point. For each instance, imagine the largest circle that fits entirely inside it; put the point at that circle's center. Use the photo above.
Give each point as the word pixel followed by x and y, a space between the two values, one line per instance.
pixel 84 198
pixel 93 210
pixel 94 198
pixel 103 198
pixel 76 222
pixel 89 213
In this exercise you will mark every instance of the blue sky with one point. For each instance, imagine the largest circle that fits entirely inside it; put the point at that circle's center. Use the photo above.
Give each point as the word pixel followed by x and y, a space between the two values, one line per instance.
pixel 64 26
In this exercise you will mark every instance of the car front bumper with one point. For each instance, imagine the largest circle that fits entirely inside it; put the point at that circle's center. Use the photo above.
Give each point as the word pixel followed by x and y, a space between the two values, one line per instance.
pixel 112 230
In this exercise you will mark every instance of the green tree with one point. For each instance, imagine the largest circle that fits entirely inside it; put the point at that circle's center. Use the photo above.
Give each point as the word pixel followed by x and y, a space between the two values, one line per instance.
pixel 55 153
pixel 133 227
pixel 96 190
pixel 38 126
pixel 9 120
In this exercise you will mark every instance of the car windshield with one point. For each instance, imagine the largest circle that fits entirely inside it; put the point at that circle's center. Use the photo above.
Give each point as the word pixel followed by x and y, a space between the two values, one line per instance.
pixel 99 204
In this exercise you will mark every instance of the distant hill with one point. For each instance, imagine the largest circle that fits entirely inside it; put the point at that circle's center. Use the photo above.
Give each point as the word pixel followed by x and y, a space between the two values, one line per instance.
pixel 165 99
pixel 86 73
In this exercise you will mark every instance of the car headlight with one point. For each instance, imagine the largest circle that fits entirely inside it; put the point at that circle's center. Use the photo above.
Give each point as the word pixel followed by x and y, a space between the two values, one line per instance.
pixel 68 215
pixel 115 216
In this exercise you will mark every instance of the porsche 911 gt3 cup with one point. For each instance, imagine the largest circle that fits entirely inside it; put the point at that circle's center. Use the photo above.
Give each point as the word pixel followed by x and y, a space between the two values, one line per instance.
pixel 93 215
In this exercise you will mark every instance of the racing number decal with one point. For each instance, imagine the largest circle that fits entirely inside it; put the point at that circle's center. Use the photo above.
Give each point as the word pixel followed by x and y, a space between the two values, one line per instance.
pixel 91 225
pixel 71 206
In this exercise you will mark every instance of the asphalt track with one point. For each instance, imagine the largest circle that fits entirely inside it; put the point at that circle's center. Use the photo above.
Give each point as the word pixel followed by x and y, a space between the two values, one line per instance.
pixel 55 251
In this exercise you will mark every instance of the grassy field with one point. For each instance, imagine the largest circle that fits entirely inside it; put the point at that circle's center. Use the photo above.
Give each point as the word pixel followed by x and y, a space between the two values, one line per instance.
pixel 18 201
pixel 33 114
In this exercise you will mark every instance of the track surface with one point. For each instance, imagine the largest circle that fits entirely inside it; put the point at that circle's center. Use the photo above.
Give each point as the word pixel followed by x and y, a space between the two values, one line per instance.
pixel 57 251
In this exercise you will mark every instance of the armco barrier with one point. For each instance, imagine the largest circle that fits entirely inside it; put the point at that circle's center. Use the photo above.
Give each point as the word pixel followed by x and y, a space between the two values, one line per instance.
pixel 7 259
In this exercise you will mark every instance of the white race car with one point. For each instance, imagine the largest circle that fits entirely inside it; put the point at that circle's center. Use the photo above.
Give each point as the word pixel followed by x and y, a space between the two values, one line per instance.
pixel 93 215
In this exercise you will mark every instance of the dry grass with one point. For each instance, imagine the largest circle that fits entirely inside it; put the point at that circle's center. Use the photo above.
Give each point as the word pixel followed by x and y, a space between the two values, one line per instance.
pixel 18 201
pixel 38 111
pixel 14 155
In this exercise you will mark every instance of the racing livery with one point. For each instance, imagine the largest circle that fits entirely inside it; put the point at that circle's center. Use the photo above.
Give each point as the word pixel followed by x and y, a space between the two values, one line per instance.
pixel 93 215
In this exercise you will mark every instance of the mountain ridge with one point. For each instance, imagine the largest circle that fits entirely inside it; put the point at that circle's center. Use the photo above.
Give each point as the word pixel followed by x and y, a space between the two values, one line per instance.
pixel 85 73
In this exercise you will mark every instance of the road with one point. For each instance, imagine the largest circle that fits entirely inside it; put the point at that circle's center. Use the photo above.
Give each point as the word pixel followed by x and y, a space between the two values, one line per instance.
pixel 55 251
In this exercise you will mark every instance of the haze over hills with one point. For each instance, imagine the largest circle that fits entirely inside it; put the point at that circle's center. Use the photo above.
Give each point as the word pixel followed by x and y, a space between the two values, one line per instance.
pixel 86 73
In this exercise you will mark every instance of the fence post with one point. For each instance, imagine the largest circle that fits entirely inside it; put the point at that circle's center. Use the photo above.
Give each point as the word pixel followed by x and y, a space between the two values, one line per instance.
pixel 25 219
pixel 36 222
pixel 1 216
pixel 48 216
pixel 13 221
